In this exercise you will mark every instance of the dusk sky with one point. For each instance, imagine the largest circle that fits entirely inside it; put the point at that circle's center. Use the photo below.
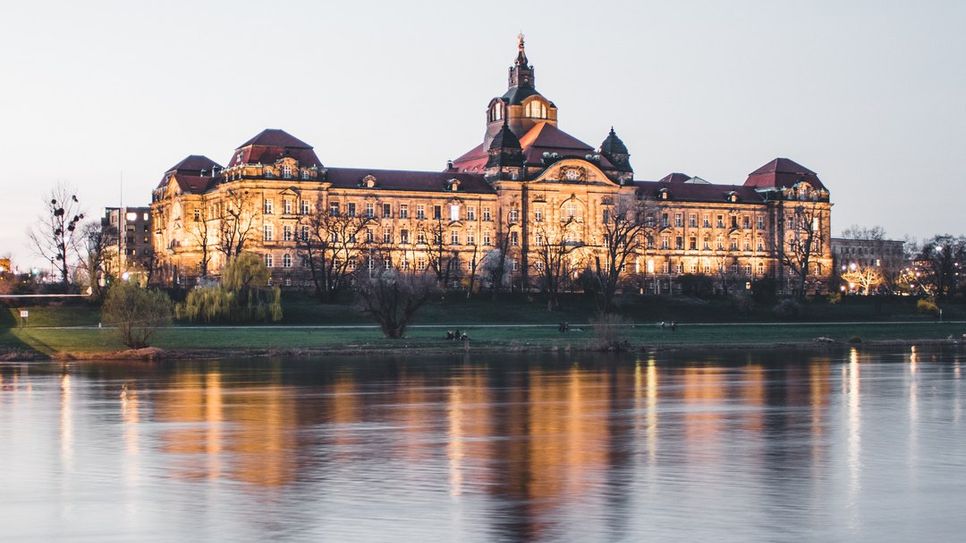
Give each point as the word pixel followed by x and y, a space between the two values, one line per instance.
pixel 871 95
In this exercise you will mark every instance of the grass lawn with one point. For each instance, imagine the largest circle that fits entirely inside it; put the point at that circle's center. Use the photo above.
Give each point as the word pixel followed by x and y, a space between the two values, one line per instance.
pixel 49 341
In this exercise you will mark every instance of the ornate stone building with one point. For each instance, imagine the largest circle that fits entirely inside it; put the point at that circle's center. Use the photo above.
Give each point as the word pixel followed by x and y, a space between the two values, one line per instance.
pixel 528 184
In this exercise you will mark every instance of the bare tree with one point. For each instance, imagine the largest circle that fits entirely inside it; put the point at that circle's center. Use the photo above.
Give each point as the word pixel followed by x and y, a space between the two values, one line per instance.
pixel 496 262
pixel 942 262
pixel 803 239
pixel 477 260
pixel 443 258
pixel 330 243
pixel 99 239
pixel 56 236
pixel 865 278
pixel 236 221
pixel 623 228
pixel 864 232
pixel 392 298
pixel 555 248
pixel 201 230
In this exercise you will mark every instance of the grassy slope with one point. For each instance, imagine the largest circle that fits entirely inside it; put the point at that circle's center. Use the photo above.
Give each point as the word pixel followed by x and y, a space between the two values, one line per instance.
pixel 79 340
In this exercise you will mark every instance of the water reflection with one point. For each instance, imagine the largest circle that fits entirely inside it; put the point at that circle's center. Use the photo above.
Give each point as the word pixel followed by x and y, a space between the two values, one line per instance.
pixel 545 449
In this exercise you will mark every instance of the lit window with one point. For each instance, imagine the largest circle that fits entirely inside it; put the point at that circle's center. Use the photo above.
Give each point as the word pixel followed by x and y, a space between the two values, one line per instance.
pixel 131 216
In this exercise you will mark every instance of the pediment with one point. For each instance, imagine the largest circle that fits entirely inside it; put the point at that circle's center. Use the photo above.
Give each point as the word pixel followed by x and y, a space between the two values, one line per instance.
pixel 574 171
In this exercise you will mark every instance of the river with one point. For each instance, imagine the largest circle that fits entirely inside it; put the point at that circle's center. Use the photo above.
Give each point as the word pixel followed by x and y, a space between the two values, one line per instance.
pixel 857 444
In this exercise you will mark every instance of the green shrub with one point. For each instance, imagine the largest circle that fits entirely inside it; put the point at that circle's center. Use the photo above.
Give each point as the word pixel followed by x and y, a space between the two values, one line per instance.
pixel 787 309
pixel 610 332
pixel 136 312
pixel 927 306
pixel 242 296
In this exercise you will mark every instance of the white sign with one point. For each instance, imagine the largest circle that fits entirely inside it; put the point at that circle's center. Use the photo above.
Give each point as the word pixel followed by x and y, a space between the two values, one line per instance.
pixel 24 313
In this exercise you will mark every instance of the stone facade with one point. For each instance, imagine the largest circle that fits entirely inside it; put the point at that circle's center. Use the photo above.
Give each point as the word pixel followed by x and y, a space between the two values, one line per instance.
pixel 526 183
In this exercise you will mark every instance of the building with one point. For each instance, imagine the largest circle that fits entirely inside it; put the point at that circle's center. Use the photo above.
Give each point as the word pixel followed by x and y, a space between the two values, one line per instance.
pixel 527 185
pixel 128 240
pixel 886 254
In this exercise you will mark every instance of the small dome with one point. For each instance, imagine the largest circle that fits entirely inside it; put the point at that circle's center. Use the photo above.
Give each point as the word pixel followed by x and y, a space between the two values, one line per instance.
pixel 505 139
pixel 613 145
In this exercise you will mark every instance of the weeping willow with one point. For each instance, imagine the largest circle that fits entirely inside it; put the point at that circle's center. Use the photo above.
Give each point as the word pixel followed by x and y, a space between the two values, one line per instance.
pixel 242 296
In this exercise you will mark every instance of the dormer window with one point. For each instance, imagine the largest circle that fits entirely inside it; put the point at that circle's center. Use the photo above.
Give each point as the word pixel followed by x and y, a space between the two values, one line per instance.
pixel 369 181
pixel 287 172
pixel 536 110
pixel 496 111
pixel 663 194
pixel 732 197
pixel 453 185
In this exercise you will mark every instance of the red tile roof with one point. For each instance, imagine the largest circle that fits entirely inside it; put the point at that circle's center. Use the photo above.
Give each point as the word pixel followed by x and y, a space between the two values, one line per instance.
pixel 542 138
pixel 698 192
pixel 347 178
pixel 782 173
pixel 272 144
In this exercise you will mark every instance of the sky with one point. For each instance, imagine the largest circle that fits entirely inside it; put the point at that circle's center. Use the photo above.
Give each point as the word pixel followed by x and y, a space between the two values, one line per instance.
pixel 870 95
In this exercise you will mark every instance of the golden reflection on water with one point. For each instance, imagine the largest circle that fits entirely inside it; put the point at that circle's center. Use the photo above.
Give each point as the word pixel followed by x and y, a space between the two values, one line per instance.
pixel 853 427
pixel 66 423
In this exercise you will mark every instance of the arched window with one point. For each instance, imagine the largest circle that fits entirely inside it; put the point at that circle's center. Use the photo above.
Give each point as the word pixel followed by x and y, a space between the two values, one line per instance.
pixel 536 110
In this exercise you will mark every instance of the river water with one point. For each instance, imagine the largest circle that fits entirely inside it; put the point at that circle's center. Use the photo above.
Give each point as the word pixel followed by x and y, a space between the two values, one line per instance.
pixel 854 445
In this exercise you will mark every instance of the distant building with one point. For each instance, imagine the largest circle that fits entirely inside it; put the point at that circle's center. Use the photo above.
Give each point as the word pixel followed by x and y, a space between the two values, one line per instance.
pixel 886 254
pixel 128 235
pixel 524 186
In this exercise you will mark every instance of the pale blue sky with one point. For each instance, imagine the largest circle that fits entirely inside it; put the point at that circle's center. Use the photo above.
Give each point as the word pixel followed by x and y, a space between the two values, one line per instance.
pixel 871 95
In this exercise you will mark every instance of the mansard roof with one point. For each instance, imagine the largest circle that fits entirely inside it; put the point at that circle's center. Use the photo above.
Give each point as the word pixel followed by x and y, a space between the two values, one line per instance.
pixel 350 178
pixel 675 177
pixel 271 145
pixel 698 192
pixel 542 138
pixel 782 173
pixel 195 164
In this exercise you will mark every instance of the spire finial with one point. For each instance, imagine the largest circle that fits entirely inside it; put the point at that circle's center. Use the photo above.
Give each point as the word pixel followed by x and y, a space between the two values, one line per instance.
pixel 520 41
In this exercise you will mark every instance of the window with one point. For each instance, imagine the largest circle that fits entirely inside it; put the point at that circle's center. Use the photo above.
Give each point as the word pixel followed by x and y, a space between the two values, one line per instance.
pixel 539 239
pixel 437 212
pixel 351 211
pixel 761 245
pixel 707 221
pixel 454 212
pixel 304 234
pixel 287 206
pixel 421 237
pixel 269 261
pixel 734 221
pixel 387 235
pixel 286 233
pixel 678 220
pixel 679 242
pixel 746 222
pixel 420 263
pixel 333 208
pixel 454 237
pixel 420 212
pixel 387 210
pixel 720 221
pixel 470 238
pixel 693 244
pixel 370 210
pixel 539 266
pixel 707 244
pixel 667 267
pixel 287 172
pixel 538 215
pixel 268 207
pixel 570 211
pixel 514 215
pixel 720 244
pixel 404 236
pixel 514 238
pixel 664 220
pixel 693 220
pixel 471 213
pixel 734 244
pixel 650 266
pixel 694 268
pixel 665 242
pixel 268 233
pixel 605 216
pixel 680 267
pixel 369 236
pixel 761 222
pixel 305 207
pixel 747 244
pixel 197 215
pixel 536 109
pixel 286 260
pixel 761 268
pixel 486 214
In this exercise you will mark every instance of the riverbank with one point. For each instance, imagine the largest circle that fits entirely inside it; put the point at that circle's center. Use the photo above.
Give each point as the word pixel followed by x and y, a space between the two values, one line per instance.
pixel 83 343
